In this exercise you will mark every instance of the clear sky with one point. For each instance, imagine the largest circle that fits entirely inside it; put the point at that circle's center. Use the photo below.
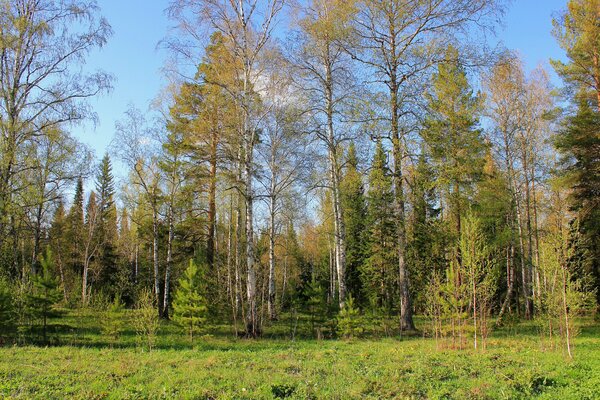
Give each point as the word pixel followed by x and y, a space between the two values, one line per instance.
pixel 131 54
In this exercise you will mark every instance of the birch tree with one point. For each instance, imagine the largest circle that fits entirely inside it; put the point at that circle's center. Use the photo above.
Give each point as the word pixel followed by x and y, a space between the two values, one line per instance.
pixel 247 26
pixel 40 86
pixel 325 75
pixel 399 40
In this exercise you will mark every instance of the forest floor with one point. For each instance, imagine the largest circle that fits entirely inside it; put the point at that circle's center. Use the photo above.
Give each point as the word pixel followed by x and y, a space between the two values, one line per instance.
pixel 517 364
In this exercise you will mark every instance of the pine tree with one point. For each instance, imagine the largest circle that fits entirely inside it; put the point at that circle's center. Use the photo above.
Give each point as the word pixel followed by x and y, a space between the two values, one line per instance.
pixel 378 273
pixel 189 305
pixel 45 293
pixel 349 320
pixel 354 205
pixel 579 143
pixel 452 134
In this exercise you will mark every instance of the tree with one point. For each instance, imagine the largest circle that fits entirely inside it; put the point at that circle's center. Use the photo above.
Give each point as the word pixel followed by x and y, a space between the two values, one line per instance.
pixel 189 306
pixel 146 321
pixel 7 309
pixel 45 293
pixel 578 33
pixel 75 231
pixel 139 147
pixel 377 274
pixel 355 212
pixel 348 320
pixel 283 153
pixel 58 244
pixel 579 143
pixel 107 235
pixel 399 41
pixel 247 31
pixel 325 77
pixel 44 44
pixel 452 135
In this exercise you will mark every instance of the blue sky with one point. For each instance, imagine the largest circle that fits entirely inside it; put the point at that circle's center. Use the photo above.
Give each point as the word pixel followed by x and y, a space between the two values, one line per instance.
pixel 131 54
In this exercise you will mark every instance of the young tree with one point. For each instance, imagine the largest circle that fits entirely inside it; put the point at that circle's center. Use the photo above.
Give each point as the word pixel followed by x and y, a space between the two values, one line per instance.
pixel 45 293
pixel 189 306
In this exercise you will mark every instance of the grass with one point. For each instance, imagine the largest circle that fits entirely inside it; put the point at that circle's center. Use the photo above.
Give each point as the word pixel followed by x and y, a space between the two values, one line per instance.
pixel 85 366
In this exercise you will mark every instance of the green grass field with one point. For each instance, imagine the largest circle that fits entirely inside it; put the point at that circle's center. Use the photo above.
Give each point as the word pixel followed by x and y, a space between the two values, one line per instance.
pixel 85 365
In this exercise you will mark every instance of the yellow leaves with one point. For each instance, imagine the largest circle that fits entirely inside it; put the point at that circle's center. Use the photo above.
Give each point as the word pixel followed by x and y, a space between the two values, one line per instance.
pixel 329 20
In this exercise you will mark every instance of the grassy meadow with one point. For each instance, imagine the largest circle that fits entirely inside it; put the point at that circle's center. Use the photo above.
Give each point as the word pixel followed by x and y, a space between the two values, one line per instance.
pixel 83 363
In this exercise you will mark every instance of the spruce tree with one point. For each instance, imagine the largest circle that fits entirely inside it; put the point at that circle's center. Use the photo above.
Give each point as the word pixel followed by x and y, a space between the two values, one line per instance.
pixel 379 272
pixel 189 306
pixel 74 231
pixel 354 205
pixel 427 240
pixel 58 243
pixel 107 228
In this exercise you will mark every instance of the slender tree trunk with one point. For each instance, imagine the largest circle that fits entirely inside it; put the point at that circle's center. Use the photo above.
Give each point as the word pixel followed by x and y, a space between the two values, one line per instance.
pixel 168 266
pixel 271 295
pixel 339 226
pixel 212 209
pixel 36 238
pixel 252 328
pixel 406 318
pixel 155 260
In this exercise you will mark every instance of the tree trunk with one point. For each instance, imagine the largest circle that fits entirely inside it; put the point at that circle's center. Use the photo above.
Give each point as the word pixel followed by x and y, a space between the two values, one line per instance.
pixel 212 209
pixel 168 262
pixel 271 295
pixel 406 318
pixel 339 226
pixel 155 261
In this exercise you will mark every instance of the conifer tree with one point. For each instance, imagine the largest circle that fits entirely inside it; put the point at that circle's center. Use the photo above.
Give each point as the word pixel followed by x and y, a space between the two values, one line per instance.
pixel 427 240
pixel 189 305
pixel 579 142
pixel 378 273
pixel 58 244
pixel 45 293
pixel 74 230
pixel 107 227
pixel 452 134
pixel 354 205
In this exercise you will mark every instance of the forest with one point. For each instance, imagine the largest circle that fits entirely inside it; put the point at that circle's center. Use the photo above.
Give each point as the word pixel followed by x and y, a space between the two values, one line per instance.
pixel 330 171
